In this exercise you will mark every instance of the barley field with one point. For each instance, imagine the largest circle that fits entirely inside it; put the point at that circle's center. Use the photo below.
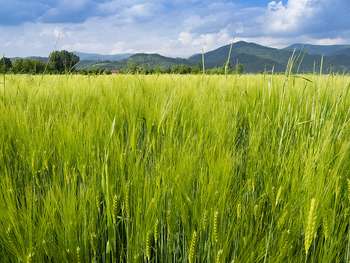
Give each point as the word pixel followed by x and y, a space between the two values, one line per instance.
pixel 251 168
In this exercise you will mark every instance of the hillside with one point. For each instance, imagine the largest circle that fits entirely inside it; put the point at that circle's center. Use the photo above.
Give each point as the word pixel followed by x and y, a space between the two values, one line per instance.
pixel 155 60
pixel 254 58
pixel 219 56
pixel 257 58
pixel 141 59
pixel 42 59
pixel 326 50
pixel 101 57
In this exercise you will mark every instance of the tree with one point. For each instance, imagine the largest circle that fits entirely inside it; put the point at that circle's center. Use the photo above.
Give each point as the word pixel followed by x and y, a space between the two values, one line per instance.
pixel 181 69
pixel 239 69
pixel 62 61
pixel 131 67
pixel 28 66
pixel 157 70
pixel 18 66
pixel 5 65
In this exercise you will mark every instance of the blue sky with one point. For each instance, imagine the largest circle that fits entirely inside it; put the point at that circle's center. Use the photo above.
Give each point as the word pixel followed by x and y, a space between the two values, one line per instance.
pixel 169 27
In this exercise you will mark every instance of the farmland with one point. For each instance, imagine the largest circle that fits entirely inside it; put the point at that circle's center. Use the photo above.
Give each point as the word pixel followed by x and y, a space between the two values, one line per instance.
pixel 168 168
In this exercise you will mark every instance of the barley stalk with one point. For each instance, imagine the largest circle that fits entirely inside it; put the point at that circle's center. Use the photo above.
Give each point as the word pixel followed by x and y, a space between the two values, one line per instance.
pixel 310 230
pixel 78 255
pixel 193 247
pixel 156 231
pixel 215 226
pixel 218 256
pixel 115 208
pixel 239 211
pixel 148 246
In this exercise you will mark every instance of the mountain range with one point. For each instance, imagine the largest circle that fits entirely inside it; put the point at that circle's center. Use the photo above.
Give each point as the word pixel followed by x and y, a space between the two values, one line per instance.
pixel 254 58
pixel 100 57
pixel 321 50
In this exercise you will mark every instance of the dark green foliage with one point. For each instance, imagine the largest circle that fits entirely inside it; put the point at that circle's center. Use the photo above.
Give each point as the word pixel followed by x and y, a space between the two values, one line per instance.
pixel 239 69
pixel 5 65
pixel 181 69
pixel 156 60
pixel 28 66
pixel 62 61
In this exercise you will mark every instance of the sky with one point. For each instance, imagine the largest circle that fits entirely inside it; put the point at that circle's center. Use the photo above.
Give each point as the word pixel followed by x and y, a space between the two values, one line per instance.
pixel 177 28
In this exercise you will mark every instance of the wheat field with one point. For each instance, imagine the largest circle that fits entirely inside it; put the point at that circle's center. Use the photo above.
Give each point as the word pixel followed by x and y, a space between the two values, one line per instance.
pixel 168 168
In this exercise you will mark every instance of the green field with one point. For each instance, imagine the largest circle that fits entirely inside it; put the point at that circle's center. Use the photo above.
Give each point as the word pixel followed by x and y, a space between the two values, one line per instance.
pixel 251 168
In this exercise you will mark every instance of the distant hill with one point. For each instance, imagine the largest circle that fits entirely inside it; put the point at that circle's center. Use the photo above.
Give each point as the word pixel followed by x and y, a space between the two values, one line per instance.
pixel 42 59
pixel 254 58
pixel 140 59
pixel 325 50
pixel 101 65
pixel 155 60
pixel 100 57
pixel 219 56
pixel 345 51
pixel 258 58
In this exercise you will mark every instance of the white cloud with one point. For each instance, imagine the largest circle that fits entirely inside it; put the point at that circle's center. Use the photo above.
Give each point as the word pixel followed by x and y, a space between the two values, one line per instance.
pixel 330 41
pixel 311 17
pixel 292 16
pixel 185 38
pixel 176 28
pixel 197 42
pixel 121 47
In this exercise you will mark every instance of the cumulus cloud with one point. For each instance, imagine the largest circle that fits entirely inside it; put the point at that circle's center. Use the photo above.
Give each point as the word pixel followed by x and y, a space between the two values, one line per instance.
pixel 314 17
pixel 176 28
pixel 292 16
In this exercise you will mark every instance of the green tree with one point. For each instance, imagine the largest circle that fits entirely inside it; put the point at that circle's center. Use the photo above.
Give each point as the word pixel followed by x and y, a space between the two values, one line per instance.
pixel 5 65
pixel 181 69
pixel 18 66
pixel 157 70
pixel 62 61
pixel 131 67
pixel 28 66
pixel 239 69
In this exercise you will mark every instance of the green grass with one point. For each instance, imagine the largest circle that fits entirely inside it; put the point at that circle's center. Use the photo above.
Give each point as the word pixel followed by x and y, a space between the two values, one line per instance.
pixel 175 169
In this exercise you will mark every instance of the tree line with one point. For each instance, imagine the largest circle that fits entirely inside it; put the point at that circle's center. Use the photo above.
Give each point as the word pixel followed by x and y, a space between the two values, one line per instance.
pixel 60 62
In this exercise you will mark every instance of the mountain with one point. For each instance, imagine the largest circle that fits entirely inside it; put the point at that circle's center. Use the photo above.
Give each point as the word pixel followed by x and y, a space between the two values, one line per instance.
pixel 254 58
pixel 42 59
pixel 100 57
pixel 219 56
pixel 325 50
pixel 345 52
pixel 105 65
pixel 257 58
pixel 155 60
pixel 140 59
